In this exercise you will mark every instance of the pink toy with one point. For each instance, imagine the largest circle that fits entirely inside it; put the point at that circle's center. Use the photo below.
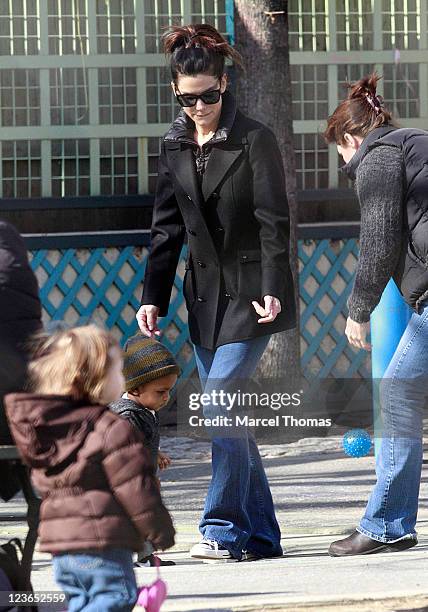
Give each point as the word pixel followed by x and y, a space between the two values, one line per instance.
pixel 151 597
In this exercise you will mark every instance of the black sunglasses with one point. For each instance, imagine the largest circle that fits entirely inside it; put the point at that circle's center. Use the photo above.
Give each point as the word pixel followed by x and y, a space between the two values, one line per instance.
pixel 208 97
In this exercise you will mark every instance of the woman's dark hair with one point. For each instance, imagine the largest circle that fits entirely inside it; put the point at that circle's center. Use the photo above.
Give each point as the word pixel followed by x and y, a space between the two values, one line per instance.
pixel 360 113
pixel 198 49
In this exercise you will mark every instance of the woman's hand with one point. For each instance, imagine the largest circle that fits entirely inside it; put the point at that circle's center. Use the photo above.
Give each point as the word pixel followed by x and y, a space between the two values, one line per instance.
pixel 356 334
pixel 163 461
pixel 147 317
pixel 270 311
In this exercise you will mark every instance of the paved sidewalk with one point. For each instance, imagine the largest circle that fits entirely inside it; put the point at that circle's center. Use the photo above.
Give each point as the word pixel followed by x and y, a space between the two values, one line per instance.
pixel 319 495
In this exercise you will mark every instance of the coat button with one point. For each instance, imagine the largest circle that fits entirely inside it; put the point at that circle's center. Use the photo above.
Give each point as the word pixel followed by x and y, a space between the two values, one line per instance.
pixel 244 257
pixel 219 229
pixel 215 195
pixel 200 299
pixel 228 295
pixel 201 264
pixel 191 232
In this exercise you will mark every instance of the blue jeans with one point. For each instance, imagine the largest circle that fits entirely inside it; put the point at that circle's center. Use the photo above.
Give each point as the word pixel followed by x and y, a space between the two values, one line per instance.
pixel 238 511
pixel 393 505
pixel 98 581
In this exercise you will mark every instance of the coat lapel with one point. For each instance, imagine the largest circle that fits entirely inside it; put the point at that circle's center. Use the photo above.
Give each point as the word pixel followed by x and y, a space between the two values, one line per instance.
pixel 183 164
pixel 219 162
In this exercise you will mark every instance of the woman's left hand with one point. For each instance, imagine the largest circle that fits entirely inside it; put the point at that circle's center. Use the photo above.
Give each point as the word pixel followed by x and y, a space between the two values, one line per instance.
pixel 270 311
pixel 356 334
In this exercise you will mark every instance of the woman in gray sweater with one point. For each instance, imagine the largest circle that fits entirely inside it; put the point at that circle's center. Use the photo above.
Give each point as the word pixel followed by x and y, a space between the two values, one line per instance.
pixel 389 166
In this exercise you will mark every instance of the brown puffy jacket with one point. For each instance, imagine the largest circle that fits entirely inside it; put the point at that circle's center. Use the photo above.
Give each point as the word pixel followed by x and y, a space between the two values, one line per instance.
pixel 93 472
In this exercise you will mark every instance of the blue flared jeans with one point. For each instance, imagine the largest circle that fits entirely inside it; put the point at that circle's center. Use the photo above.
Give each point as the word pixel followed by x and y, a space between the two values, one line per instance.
pixel 393 505
pixel 239 511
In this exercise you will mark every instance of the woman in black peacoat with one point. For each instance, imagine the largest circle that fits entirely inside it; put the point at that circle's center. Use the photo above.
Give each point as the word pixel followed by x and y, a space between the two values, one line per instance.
pixel 237 225
pixel 220 181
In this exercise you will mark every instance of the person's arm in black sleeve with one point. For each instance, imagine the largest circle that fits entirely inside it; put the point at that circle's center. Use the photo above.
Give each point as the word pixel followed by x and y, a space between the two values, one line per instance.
pixel 271 211
pixel 166 240
pixel 380 184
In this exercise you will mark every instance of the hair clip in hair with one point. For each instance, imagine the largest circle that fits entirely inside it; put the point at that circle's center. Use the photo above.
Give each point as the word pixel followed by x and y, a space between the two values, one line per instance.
pixel 375 102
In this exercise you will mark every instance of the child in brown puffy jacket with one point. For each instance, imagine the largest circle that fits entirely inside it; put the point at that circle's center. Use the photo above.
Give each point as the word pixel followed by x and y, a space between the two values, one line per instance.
pixel 100 497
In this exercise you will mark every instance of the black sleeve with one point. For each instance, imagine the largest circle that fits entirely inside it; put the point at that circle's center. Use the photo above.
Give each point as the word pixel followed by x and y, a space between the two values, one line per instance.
pixel 271 211
pixel 380 184
pixel 166 241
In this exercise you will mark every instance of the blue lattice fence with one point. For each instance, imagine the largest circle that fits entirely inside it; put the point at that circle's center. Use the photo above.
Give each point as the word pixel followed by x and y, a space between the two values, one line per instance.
pixel 326 271
pixel 103 284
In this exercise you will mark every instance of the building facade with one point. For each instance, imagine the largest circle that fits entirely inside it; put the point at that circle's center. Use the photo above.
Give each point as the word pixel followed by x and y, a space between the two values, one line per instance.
pixel 85 95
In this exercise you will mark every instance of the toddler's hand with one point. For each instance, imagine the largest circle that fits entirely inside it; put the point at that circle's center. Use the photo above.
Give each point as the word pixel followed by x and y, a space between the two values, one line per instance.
pixel 163 461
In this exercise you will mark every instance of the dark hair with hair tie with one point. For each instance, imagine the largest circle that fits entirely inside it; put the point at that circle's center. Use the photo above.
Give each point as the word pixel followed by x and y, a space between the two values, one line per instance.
pixel 198 49
pixel 360 113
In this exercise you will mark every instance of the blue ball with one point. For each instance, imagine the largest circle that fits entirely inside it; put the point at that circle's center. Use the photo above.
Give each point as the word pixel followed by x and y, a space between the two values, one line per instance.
pixel 357 443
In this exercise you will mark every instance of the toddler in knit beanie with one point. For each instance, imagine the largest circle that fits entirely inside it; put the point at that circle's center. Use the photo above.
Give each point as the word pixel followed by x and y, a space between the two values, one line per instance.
pixel 150 372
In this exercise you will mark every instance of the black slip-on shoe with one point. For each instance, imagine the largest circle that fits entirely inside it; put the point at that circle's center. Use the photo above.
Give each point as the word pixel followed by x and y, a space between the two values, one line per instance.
pixel 152 561
pixel 359 544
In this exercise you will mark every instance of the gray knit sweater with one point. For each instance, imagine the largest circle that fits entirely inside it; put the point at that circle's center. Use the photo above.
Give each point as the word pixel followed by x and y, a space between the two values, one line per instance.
pixel 380 181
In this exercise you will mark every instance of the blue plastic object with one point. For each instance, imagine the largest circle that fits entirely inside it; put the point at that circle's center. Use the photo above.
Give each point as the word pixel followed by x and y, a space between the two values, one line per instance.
pixel 388 322
pixel 387 325
pixel 357 443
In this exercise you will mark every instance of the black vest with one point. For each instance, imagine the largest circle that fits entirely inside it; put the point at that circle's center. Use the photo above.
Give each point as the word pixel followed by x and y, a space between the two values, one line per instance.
pixel 411 274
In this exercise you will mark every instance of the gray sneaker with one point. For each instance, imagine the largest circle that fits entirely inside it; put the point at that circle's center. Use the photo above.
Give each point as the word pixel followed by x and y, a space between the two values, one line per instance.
pixel 210 550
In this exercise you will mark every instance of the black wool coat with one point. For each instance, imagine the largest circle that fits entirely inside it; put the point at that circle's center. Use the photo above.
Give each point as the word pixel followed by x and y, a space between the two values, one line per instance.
pixel 237 226
pixel 20 316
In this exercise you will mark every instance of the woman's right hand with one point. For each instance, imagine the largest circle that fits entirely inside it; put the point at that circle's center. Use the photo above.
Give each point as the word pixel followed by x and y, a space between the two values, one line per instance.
pixel 147 317
pixel 356 334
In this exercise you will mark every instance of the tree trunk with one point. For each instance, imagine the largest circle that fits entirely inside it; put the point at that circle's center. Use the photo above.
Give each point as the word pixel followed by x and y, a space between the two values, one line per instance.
pixel 264 93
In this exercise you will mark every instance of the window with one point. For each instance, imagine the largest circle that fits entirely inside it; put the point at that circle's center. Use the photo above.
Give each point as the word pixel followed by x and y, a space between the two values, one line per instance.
pixel 401 89
pixel 157 15
pixel 20 97
pixel 309 92
pixel 153 149
pixel 70 167
pixel 117 89
pixel 119 165
pixel 311 161
pixel 354 23
pixel 68 27
pixel 401 21
pixel 161 104
pixel 69 96
pixel 308 25
pixel 116 26
pixel 212 12
pixel 21 166
pixel 19 27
